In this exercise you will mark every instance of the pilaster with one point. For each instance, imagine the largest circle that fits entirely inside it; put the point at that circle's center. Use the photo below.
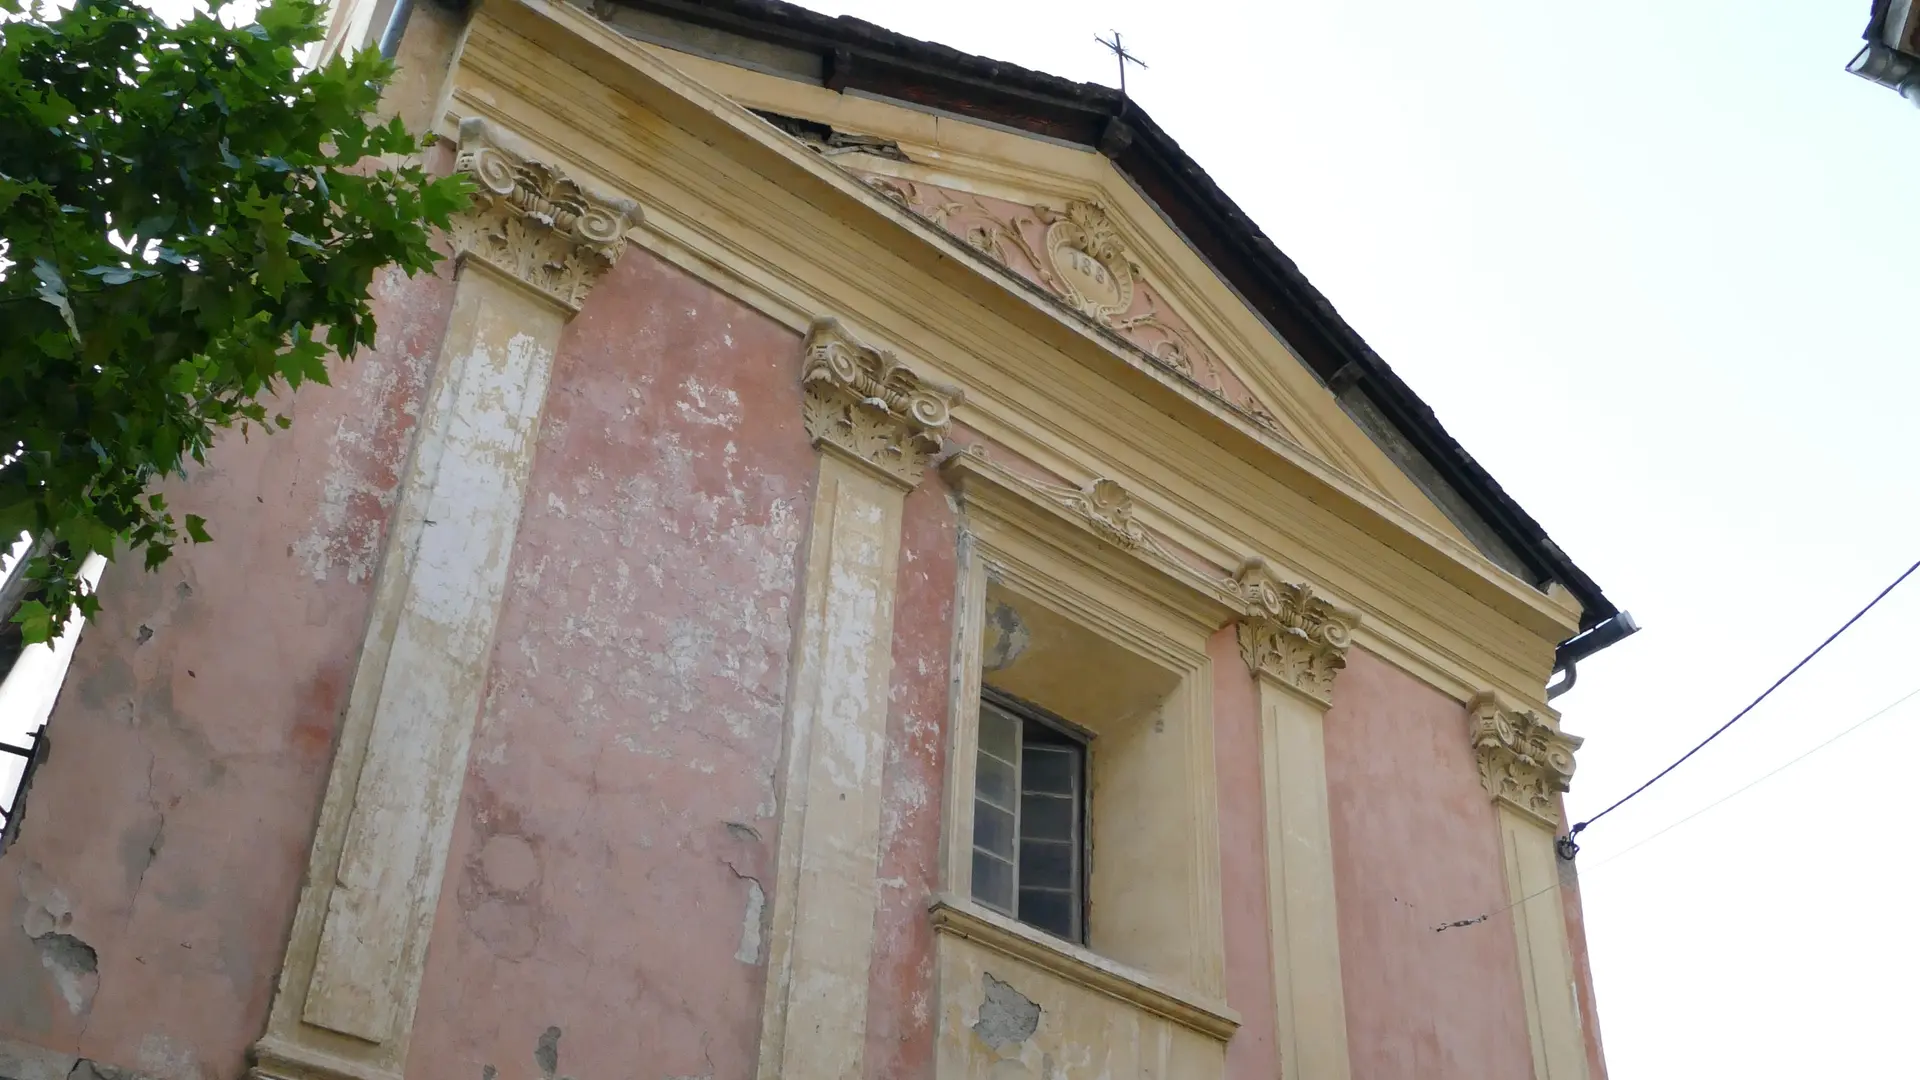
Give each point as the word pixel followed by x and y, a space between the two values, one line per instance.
pixel 876 423
pixel 526 255
pixel 1295 643
pixel 1526 763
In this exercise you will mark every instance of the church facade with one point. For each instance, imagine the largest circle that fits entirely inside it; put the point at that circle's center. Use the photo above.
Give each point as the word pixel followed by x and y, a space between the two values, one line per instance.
pixel 864 564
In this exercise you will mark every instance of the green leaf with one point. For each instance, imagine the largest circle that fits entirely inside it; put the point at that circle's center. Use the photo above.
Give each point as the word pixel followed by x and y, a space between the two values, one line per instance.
pixel 53 289
pixel 35 622
pixel 262 211
pixel 197 529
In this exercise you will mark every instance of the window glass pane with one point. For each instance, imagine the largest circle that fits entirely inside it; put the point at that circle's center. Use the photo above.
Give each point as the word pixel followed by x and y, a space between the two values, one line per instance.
pixel 995 781
pixel 993 829
pixel 1049 769
pixel 992 882
pixel 999 733
pixel 1048 817
pixel 1049 910
pixel 1046 864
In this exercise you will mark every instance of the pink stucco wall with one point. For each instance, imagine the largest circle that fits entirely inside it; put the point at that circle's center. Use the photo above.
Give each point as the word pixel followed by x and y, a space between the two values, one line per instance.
pixel 1416 844
pixel 164 840
pixel 1252 1054
pixel 607 891
pixel 900 1005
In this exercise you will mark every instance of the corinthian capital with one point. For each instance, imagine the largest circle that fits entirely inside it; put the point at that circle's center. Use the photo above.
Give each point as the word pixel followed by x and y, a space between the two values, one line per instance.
pixel 532 223
pixel 869 405
pixel 1289 633
pixel 1524 760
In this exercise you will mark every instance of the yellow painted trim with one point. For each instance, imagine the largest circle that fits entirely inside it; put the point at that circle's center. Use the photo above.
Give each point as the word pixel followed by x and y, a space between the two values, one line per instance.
pixel 1020 543
pixel 961 917
pixel 1547 982
pixel 1303 913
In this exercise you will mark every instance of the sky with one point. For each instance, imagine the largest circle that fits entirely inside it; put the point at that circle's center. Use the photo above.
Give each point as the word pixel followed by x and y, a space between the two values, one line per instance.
pixel 1654 263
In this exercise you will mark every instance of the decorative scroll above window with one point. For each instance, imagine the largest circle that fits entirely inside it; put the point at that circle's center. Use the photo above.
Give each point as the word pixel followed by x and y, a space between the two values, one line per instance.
pixel 1524 760
pixel 868 404
pixel 532 223
pixel 1291 634
pixel 1077 255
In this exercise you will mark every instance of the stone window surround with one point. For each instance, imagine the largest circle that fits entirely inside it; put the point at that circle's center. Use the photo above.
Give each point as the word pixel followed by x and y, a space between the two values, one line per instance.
pixel 1067 557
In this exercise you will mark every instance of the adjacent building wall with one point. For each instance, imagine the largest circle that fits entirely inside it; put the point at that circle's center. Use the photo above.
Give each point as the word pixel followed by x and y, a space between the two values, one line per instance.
pixel 144 908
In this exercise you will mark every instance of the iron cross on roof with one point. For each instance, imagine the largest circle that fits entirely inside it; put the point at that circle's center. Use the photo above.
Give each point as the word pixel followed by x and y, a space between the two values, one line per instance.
pixel 1121 56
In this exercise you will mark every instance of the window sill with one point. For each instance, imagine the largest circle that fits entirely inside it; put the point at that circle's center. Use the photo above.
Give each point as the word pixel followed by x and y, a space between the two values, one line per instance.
pixel 963 918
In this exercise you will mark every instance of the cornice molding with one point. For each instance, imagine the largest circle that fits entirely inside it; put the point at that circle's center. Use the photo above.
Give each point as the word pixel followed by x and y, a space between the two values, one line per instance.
pixel 870 406
pixel 533 223
pixel 1525 762
pixel 964 919
pixel 1290 634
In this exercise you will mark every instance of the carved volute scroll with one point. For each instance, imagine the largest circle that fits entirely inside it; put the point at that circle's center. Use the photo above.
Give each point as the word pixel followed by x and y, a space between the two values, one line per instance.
pixel 1524 760
pixel 867 404
pixel 1291 634
pixel 534 224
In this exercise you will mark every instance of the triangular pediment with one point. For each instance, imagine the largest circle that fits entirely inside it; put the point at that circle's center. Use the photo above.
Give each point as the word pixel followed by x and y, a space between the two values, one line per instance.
pixel 1071 229
pixel 1132 276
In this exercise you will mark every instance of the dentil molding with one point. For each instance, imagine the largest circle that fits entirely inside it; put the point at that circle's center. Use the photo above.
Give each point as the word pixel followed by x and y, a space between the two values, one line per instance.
pixel 534 224
pixel 1524 760
pixel 1291 634
pixel 866 403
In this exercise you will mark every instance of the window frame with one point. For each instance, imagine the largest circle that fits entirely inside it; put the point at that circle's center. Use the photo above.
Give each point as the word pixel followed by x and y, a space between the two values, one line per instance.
pixel 1026 714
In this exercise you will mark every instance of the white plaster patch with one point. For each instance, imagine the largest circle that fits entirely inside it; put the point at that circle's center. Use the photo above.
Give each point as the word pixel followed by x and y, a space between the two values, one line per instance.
pixel 160 1055
pixel 709 406
pixel 749 951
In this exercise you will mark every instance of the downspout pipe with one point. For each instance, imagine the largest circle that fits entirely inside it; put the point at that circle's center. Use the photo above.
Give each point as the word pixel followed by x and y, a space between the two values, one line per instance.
pixel 396 28
pixel 1584 644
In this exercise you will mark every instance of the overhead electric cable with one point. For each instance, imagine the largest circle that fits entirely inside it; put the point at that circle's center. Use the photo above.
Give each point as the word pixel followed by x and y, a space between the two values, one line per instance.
pixel 1577 829
pixel 1749 786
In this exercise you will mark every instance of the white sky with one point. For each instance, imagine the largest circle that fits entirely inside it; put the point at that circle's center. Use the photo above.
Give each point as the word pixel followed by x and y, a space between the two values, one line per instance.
pixel 1656 264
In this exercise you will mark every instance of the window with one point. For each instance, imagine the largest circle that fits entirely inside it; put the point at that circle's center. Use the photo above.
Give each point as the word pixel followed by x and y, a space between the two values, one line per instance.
pixel 1029 831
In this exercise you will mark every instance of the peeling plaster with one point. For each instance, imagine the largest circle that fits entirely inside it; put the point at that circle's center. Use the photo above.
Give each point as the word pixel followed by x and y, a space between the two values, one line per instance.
pixel 1007 1017
pixel 749 951
pixel 1004 637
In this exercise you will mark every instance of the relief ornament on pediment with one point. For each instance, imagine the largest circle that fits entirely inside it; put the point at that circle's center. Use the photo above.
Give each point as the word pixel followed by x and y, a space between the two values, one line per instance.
pixel 1525 762
pixel 533 223
pixel 1077 254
